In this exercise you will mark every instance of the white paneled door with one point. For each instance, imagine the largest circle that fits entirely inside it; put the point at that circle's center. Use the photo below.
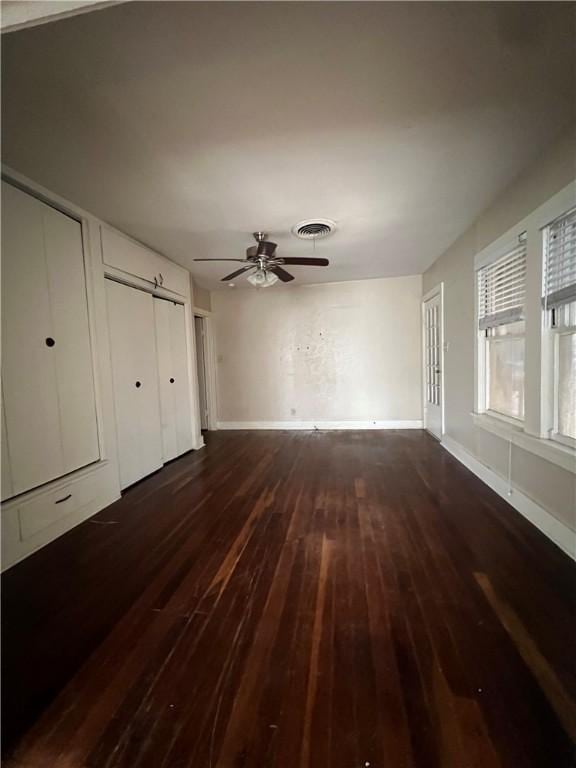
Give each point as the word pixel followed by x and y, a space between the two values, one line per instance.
pixel 135 378
pixel 50 425
pixel 174 381
pixel 433 362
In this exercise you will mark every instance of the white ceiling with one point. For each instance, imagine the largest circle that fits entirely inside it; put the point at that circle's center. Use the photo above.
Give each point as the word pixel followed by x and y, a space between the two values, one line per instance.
pixel 189 125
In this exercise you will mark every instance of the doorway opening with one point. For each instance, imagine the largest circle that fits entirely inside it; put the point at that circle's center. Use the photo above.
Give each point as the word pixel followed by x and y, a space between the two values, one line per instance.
pixel 433 361
pixel 202 357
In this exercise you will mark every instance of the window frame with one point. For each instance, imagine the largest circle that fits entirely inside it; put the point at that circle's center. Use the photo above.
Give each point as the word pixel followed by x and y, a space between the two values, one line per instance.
pixel 552 333
pixel 487 257
pixel 486 342
pixel 566 440
pixel 536 433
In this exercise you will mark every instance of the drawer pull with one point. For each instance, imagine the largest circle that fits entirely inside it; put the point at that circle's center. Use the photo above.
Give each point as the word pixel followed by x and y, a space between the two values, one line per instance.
pixel 138 384
pixel 50 342
pixel 171 381
pixel 64 499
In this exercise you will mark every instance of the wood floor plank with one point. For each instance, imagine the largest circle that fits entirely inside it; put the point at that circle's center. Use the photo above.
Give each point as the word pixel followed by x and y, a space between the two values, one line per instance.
pixel 294 600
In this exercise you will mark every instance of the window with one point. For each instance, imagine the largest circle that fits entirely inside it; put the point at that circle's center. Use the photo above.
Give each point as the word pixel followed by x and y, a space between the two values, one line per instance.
pixel 559 301
pixel 501 294
pixel 505 370
pixel 525 361
pixel 566 392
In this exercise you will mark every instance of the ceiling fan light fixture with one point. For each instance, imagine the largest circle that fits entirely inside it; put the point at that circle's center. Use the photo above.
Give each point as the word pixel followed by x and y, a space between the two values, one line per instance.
pixel 262 279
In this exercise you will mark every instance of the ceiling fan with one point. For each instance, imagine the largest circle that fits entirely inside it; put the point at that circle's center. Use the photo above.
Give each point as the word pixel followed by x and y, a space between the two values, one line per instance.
pixel 263 268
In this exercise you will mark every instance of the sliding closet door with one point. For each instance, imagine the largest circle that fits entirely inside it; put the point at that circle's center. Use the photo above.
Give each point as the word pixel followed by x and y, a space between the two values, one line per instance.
pixel 166 380
pixel 181 378
pixel 173 377
pixel 50 415
pixel 135 377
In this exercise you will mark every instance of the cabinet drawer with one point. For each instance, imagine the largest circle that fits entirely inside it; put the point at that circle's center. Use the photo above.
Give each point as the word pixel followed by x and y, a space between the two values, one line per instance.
pixel 48 508
pixel 134 259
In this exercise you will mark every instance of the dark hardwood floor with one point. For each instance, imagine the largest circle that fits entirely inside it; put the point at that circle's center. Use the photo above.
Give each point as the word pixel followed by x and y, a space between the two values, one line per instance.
pixel 296 600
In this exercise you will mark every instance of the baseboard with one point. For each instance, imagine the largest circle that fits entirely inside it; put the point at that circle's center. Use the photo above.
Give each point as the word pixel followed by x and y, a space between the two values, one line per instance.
pixel 320 425
pixel 550 526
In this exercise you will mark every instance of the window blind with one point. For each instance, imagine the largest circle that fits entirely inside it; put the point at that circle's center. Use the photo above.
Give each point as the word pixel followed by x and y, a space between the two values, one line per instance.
pixel 560 269
pixel 502 288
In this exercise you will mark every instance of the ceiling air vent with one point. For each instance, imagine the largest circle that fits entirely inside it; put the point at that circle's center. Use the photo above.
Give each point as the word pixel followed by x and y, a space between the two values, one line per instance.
pixel 314 229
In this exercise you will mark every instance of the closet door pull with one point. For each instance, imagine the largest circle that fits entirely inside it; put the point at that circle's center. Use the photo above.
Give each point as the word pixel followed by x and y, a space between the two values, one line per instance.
pixel 50 342
pixel 138 384
pixel 171 381
pixel 59 501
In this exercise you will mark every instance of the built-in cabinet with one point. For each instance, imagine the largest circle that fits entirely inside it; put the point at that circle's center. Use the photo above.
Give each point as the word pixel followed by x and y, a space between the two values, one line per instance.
pixel 131 258
pixel 55 473
pixel 49 425
pixel 97 347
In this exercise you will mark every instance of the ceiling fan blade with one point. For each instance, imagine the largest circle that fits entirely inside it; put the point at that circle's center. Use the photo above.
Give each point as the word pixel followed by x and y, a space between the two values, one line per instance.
pixel 311 262
pixel 282 274
pixel 266 248
pixel 241 261
pixel 235 274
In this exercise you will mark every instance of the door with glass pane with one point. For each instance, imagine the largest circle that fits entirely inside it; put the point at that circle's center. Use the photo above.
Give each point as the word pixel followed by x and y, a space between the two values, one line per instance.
pixel 433 341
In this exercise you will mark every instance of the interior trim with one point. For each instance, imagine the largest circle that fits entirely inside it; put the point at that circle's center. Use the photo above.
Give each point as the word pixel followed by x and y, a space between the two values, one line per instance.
pixel 549 450
pixel 312 425
pixel 549 525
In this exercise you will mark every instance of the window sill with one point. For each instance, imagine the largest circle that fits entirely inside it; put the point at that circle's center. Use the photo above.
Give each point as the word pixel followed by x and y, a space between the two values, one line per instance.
pixel 506 421
pixel 551 451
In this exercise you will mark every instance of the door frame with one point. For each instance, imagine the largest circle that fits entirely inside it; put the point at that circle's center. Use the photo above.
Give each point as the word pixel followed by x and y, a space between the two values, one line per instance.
pixel 209 367
pixel 438 290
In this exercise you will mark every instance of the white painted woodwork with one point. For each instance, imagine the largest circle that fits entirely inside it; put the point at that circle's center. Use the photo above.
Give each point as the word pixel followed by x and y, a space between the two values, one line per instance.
pixel 70 329
pixel 165 373
pixel 433 389
pixel 33 519
pixel 42 511
pixel 5 457
pixel 200 334
pixel 28 370
pixel 179 347
pixel 173 378
pixel 132 258
pixel 133 354
pixel 49 401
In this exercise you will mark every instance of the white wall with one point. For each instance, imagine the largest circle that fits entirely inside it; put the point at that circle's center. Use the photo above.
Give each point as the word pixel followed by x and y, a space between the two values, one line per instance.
pixel 320 353
pixel 201 297
pixel 550 486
